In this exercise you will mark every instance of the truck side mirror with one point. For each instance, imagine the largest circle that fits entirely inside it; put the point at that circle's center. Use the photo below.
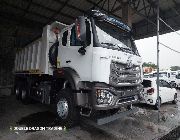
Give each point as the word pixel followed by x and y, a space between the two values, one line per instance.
pixel 80 26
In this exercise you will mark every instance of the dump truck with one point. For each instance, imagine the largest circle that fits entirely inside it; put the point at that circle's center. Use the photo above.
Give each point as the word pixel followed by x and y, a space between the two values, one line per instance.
pixel 81 69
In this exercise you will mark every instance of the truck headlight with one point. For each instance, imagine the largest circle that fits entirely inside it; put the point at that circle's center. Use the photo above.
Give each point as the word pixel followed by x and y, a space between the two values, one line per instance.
pixel 104 97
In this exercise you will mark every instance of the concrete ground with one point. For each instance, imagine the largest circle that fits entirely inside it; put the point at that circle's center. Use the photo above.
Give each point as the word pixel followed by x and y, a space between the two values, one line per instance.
pixel 140 125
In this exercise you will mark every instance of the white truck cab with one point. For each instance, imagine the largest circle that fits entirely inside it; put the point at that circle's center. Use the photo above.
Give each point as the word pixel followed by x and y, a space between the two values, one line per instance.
pixel 88 66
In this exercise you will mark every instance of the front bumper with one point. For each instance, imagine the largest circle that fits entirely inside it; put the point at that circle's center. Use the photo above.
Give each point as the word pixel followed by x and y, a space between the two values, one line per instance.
pixel 121 97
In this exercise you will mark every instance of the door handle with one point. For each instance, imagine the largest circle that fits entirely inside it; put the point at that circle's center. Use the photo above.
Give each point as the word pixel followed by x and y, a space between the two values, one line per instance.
pixel 68 61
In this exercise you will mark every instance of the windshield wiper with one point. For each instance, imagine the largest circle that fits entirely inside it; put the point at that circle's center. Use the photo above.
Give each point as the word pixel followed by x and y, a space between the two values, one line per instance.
pixel 105 43
pixel 126 48
pixel 111 44
pixel 116 45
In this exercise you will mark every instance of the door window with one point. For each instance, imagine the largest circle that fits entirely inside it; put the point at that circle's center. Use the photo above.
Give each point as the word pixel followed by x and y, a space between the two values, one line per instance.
pixel 164 84
pixel 64 38
pixel 88 33
pixel 75 42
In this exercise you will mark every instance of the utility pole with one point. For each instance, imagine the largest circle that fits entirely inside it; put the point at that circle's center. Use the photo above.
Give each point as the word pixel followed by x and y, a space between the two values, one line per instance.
pixel 158 99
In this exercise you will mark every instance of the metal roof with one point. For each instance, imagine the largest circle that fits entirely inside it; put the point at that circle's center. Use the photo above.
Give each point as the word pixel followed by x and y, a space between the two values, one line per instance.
pixel 24 19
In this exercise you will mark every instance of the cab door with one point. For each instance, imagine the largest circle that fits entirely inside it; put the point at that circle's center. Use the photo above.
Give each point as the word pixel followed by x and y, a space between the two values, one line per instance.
pixel 71 58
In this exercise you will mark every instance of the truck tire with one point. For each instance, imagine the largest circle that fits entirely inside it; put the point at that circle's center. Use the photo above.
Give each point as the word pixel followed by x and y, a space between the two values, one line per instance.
pixel 174 85
pixel 175 99
pixel 17 91
pixel 156 105
pixel 25 95
pixel 66 110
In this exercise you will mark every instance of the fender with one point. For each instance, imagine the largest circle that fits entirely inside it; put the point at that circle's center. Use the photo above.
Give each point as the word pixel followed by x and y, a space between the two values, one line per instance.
pixel 69 74
pixel 80 97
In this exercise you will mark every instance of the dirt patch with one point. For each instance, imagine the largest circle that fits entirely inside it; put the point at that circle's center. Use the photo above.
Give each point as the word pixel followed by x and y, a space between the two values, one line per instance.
pixel 140 125
pixel 39 119
pixel 173 135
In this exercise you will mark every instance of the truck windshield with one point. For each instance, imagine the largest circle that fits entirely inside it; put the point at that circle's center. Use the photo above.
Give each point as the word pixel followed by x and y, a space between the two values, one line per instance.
pixel 113 37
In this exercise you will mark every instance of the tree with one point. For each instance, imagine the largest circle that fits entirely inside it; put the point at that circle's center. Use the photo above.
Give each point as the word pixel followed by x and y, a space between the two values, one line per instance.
pixel 175 68
pixel 149 64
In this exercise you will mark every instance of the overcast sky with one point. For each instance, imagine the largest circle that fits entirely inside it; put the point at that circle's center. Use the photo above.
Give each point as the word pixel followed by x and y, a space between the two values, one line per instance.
pixel 147 48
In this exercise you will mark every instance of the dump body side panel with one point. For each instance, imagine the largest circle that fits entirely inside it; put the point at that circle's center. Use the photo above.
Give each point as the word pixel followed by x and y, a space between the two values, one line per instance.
pixel 35 56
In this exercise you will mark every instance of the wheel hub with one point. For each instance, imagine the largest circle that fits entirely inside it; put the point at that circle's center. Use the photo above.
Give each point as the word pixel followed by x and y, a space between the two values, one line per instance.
pixel 23 94
pixel 62 108
pixel 17 91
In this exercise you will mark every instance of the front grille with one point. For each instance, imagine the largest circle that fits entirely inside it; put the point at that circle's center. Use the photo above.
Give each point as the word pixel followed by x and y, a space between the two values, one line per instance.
pixel 122 73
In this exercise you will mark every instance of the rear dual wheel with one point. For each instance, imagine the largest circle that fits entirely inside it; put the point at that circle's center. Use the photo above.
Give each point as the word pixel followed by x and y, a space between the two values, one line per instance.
pixel 21 93
pixel 17 91
pixel 24 96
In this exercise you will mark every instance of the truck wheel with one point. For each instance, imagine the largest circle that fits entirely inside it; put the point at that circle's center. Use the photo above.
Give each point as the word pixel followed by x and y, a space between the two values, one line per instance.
pixel 174 85
pixel 158 105
pixel 66 110
pixel 24 96
pixel 175 99
pixel 17 92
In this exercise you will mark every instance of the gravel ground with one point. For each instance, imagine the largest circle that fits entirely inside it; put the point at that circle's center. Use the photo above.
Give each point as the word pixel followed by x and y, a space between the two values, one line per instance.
pixel 140 125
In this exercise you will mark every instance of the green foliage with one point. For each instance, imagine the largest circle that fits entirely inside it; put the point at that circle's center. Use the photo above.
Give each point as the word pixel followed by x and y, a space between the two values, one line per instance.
pixel 149 64
pixel 175 68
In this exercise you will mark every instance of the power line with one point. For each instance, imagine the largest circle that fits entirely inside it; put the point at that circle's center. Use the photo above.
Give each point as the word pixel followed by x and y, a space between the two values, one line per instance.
pixel 169 48
pixel 169 26
pixel 159 18
pixel 172 30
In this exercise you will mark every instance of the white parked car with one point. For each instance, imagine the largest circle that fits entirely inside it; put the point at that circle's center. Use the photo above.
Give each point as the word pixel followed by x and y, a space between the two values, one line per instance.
pixel 166 92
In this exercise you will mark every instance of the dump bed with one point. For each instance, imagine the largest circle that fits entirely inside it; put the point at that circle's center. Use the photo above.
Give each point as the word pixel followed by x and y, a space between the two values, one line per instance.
pixel 29 57
pixel 34 58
